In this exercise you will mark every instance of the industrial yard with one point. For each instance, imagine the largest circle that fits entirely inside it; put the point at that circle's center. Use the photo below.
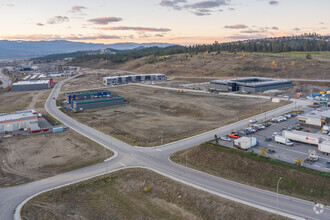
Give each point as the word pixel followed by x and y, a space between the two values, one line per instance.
pixel 154 117
pixel 123 195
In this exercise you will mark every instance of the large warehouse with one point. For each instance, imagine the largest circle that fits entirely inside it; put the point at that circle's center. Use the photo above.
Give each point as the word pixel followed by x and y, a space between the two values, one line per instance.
pixel 92 99
pixel 111 80
pixel 32 85
pixel 17 121
pixel 249 85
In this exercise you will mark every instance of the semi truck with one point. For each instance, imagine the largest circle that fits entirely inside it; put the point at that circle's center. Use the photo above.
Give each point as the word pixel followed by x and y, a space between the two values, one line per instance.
pixel 300 136
pixel 283 140
pixel 245 142
pixel 324 147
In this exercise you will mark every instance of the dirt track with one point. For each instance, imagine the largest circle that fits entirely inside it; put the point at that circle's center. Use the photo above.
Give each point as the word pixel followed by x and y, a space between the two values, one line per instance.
pixel 153 115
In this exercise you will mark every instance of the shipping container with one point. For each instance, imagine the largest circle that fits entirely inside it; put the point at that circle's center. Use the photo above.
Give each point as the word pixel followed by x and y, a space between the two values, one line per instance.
pixel 324 147
pixel 245 142
pixel 58 129
pixel 301 136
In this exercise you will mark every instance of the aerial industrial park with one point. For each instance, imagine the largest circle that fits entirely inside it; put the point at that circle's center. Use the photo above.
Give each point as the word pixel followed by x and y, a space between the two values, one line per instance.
pixel 229 119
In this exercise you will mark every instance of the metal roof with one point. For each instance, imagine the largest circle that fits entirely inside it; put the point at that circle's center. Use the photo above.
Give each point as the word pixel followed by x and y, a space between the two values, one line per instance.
pixel 17 116
pixel 31 82
pixel 316 114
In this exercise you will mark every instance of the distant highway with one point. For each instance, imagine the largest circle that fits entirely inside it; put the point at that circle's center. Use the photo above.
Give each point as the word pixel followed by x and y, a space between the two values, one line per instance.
pixel 156 159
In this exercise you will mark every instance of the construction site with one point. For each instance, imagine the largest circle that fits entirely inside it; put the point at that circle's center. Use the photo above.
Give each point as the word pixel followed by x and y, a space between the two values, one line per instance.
pixel 154 117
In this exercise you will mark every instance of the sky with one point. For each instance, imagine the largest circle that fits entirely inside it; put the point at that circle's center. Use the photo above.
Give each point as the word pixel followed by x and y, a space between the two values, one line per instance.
pixel 170 21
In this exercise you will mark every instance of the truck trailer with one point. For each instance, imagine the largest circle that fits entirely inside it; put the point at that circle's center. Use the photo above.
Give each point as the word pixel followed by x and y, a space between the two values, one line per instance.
pixel 324 147
pixel 245 142
pixel 300 136
pixel 283 140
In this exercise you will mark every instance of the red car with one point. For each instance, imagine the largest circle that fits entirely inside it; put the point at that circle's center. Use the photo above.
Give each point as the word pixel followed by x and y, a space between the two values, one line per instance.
pixel 233 136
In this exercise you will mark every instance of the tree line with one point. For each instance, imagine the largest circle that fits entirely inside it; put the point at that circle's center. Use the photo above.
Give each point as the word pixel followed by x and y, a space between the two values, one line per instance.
pixel 302 43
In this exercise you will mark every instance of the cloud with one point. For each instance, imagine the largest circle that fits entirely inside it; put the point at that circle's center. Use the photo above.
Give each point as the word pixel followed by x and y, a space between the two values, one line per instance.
pixel 77 9
pixel 200 8
pixel 39 24
pixel 172 4
pixel 105 20
pixel 252 31
pixel 237 26
pixel 159 35
pixel 275 28
pixel 140 29
pixel 60 37
pixel 296 29
pixel 58 20
pixel 10 5
pixel 231 9
pixel 273 3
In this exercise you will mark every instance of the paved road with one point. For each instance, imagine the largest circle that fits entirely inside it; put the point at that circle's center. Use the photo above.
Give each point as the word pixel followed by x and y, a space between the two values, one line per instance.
pixel 5 80
pixel 156 159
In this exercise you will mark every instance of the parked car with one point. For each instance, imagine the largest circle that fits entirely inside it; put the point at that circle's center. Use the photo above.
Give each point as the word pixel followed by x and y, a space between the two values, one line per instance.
pixel 268 139
pixel 224 138
pixel 233 135
pixel 266 124
pixel 288 115
pixel 276 134
pixel 252 121
pixel 252 130
pixel 282 118
pixel 270 151
pixel 275 120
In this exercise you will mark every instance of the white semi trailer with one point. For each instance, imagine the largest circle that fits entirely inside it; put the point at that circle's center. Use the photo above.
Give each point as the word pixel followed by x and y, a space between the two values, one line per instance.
pixel 245 142
pixel 300 136
pixel 324 147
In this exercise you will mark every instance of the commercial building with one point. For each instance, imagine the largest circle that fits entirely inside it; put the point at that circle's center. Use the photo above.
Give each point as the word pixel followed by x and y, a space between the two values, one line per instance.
pixel 32 85
pixel 317 117
pixel 249 85
pixel 92 99
pixel 111 80
pixel 20 120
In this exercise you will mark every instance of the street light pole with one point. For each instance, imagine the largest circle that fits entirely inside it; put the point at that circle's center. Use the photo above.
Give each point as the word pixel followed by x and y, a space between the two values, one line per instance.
pixel 278 183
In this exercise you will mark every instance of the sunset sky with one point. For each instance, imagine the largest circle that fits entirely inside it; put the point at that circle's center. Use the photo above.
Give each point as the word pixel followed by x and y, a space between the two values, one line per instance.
pixel 172 21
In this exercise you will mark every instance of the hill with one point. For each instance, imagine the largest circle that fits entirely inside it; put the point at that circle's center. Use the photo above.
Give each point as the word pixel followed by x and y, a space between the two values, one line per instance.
pixel 15 49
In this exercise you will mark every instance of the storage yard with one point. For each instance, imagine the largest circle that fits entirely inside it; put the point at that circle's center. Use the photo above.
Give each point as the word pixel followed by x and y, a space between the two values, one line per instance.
pixel 153 117
pixel 282 141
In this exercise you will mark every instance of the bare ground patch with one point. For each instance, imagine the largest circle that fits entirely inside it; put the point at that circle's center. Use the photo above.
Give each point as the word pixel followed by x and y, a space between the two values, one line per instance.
pixel 28 158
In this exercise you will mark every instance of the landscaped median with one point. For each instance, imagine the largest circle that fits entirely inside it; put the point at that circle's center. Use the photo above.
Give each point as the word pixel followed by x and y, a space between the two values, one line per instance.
pixel 262 172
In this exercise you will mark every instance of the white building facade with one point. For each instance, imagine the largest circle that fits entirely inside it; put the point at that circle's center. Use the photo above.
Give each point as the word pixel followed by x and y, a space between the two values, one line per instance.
pixel 19 120
pixel 112 80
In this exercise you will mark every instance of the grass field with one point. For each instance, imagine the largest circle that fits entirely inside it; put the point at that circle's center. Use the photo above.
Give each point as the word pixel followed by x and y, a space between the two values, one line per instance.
pixel 123 195
pixel 253 170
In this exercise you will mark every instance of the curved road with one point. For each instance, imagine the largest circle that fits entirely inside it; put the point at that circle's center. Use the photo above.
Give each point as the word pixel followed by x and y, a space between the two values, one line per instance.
pixel 156 159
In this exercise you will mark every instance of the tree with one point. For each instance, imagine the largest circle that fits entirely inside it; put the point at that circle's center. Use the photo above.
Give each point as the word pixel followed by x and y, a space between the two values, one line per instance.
pixel 216 139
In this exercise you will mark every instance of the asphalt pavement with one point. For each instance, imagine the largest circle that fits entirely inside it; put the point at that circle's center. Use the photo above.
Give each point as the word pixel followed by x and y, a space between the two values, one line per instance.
pixel 156 159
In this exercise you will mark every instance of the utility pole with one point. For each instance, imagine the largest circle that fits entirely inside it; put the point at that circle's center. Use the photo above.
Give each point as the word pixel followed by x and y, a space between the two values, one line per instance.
pixel 278 183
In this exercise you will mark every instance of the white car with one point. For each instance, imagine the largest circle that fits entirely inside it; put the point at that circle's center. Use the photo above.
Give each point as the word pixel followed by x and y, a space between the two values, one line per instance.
pixel 225 138
pixel 253 121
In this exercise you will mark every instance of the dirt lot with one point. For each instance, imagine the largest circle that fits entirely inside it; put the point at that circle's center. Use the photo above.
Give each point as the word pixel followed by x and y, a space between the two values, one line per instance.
pixel 90 79
pixel 307 88
pixel 122 195
pixel 28 158
pixel 256 171
pixel 168 115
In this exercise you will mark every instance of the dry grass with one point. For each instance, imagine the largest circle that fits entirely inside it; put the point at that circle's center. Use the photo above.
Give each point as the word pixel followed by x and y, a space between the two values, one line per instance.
pixel 29 158
pixel 122 195
pixel 239 167
pixel 226 64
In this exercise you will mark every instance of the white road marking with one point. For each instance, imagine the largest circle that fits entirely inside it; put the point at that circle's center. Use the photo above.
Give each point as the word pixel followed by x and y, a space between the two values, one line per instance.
pixel 123 164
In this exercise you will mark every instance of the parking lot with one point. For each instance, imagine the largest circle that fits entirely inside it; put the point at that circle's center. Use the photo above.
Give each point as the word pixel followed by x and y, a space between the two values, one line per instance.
pixel 283 152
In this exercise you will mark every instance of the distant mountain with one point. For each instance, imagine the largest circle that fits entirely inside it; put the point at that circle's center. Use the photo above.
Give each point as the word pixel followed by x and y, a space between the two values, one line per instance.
pixel 18 49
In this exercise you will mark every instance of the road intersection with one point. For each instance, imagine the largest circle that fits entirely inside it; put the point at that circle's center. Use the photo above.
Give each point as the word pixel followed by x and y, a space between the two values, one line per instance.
pixel 157 160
